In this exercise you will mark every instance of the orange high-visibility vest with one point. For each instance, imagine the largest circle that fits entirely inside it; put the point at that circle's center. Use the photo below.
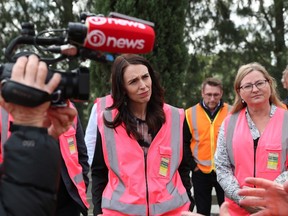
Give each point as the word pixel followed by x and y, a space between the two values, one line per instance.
pixel 139 186
pixel 271 153
pixel 204 135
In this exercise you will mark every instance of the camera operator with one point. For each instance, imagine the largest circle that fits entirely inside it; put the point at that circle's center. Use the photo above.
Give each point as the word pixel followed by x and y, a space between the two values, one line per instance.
pixel 31 168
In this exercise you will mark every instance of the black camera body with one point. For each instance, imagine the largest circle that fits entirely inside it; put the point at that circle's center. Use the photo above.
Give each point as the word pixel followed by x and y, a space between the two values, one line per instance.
pixel 74 85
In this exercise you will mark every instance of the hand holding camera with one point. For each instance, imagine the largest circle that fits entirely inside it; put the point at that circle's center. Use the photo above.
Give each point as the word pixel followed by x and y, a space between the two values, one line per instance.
pixel 30 72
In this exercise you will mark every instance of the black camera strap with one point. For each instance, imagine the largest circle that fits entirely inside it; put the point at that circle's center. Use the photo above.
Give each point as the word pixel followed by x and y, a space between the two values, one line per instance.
pixel 17 93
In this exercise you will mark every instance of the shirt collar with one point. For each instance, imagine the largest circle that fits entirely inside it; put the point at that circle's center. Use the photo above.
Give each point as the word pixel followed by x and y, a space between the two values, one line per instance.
pixel 216 108
pixel 272 111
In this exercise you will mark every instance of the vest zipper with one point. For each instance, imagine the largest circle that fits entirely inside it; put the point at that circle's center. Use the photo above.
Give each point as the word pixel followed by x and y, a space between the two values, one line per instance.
pixel 147 194
pixel 255 148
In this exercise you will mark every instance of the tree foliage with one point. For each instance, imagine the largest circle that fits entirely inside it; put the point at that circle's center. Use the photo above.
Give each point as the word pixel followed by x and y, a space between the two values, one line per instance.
pixel 232 33
pixel 43 14
pixel 194 39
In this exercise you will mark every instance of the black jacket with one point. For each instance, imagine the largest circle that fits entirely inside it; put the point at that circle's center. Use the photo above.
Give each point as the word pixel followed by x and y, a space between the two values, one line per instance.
pixel 30 173
pixel 285 101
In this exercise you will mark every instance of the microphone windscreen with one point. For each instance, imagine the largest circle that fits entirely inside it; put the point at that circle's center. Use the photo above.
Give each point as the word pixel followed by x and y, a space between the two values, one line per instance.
pixel 118 35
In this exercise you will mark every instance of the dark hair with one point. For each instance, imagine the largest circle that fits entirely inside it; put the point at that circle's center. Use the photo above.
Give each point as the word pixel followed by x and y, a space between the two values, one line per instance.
pixel 155 116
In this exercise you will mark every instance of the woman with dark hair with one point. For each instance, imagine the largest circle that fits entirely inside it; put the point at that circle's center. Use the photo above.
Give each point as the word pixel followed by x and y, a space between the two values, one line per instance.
pixel 139 147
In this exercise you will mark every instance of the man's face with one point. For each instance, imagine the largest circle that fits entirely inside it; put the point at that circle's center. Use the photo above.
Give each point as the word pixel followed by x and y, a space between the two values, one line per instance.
pixel 211 96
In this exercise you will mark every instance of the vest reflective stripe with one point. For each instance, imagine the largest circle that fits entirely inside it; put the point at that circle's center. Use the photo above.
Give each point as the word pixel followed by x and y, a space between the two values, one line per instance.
pixel 5 133
pixel 229 136
pixel 117 201
pixel 196 137
pixel 284 138
pixel 78 178
pixel 4 129
pixel 175 139
pixel 68 147
pixel 169 205
pixel 129 209
pixel 104 102
pixel 204 135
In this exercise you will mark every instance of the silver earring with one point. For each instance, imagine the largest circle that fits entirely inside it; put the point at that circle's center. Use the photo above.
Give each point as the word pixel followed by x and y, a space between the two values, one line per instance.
pixel 242 101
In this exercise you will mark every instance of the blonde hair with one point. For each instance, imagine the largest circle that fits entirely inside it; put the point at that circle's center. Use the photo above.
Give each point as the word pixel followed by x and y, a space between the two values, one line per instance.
pixel 242 72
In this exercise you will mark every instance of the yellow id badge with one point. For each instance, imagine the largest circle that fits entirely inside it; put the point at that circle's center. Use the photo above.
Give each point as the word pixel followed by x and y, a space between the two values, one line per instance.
pixel 273 160
pixel 163 171
pixel 71 144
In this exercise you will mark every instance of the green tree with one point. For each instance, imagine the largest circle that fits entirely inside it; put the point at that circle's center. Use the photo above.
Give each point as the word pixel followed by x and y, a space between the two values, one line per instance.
pixel 43 14
pixel 256 35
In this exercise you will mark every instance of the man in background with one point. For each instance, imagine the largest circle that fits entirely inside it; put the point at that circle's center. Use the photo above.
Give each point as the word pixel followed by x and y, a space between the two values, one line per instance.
pixel 200 132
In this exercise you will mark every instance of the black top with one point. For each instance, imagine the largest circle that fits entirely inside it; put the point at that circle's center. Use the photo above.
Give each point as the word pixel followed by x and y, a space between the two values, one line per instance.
pixel 285 101
pixel 30 173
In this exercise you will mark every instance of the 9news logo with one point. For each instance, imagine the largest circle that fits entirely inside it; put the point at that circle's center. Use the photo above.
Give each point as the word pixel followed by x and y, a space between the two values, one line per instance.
pixel 104 27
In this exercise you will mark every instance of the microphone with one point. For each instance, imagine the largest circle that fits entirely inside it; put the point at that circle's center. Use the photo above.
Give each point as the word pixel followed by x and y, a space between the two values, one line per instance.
pixel 112 35
pixel 84 53
pixel 66 49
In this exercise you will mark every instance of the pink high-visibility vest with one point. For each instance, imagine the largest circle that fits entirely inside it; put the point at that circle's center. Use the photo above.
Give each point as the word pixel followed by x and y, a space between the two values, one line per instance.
pixel 271 152
pixel 69 152
pixel 139 186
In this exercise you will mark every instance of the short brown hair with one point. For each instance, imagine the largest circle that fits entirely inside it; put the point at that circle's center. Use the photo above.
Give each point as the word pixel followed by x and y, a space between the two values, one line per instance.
pixel 212 82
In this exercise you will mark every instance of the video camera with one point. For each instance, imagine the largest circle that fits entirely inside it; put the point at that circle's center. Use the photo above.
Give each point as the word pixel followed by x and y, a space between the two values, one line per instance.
pixel 96 38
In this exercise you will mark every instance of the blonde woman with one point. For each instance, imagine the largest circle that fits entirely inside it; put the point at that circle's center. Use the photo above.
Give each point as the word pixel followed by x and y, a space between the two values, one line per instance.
pixel 252 141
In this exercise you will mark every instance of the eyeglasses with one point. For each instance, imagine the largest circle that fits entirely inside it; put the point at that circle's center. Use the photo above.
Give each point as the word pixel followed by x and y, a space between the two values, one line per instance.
pixel 249 86
pixel 216 95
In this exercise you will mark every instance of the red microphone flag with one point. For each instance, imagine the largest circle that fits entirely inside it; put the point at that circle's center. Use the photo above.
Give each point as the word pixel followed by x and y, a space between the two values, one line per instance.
pixel 118 35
